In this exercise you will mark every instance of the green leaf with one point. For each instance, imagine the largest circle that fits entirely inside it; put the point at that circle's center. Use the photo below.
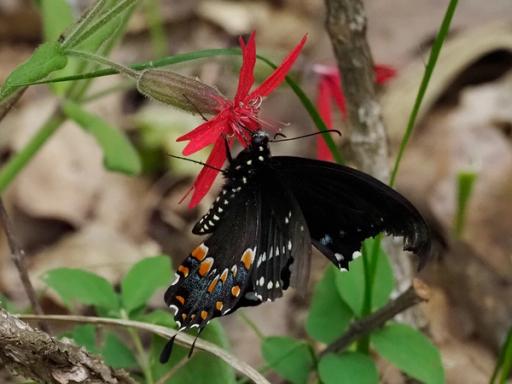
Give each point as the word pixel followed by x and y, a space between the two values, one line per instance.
pixel 465 183
pixel 292 359
pixel 411 351
pixel 116 353
pixel 57 16
pixel 119 154
pixel 351 285
pixel 328 314
pixel 83 287
pixel 85 336
pixel 348 368
pixel 504 362
pixel 6 304
pixel 202 368
pixel 141 282
pixel 48 57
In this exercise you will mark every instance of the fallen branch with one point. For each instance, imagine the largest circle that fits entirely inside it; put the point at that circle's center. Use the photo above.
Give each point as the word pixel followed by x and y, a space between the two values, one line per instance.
pixel 18 258
pixel 415 294
pixel 181 338
pixel 34 354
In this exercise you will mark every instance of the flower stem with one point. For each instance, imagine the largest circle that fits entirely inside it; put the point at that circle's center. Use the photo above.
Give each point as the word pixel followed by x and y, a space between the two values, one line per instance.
pixel 429 69
pixel 21 159
pixel 132 74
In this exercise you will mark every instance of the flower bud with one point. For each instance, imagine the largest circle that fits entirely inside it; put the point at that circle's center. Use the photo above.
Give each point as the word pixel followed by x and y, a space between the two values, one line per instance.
pixel 180 91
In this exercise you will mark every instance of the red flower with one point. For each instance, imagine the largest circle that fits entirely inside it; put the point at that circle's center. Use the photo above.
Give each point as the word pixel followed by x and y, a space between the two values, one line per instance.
pixel 234 118
pixel 329 89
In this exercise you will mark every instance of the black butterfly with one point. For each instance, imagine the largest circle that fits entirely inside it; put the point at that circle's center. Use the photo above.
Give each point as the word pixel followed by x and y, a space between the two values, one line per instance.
pixel 264 221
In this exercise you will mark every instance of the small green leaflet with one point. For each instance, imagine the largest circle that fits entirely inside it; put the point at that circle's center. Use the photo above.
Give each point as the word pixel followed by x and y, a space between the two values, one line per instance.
pixel 76 285
pixel 292 359
pixel 348 368
pixel 411 351
pixel 143 279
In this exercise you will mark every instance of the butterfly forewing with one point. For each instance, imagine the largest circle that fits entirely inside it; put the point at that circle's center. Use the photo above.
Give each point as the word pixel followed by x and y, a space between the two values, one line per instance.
pixel 343 206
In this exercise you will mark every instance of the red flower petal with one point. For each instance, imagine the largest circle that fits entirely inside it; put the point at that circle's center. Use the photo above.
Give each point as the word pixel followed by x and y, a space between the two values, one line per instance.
pixel 207 176
pixel 279 73
pixel 337 94
pixel 384 73
pixel 323 102
pixel 246 77
pixel 205 134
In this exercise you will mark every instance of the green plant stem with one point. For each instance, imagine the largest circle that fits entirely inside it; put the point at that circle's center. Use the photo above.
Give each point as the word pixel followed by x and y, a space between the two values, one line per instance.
pixel 142 357
pixel 21 159
pixel 120 7
pixel 127 71
pixel 156 28
pixel 251 325
pixel 83 23
pixel 429 69
pixel 370 260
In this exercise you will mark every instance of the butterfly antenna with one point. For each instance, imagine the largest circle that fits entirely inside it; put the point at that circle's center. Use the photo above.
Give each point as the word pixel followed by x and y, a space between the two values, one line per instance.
pixel 166 352
pixel 197 162
pixel 195 107
pixel 308 135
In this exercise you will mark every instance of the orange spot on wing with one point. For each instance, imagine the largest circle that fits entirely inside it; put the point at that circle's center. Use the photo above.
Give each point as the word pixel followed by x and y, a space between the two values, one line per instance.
pixel 213 284
pixel 204 315
pixel 219 305
pixel 224 275
pixel 183 270
pixel 181 299
pixel 199 253
pixel 205 266
pixel 248 258
pixel 235 291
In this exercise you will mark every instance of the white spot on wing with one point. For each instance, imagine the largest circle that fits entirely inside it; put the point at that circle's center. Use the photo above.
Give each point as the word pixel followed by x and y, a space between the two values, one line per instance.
pixel 176 279
pixel 270 285
pixel 338 256
pixel 289 245
pixel 356 255
pixel 262 280
pixel 174 309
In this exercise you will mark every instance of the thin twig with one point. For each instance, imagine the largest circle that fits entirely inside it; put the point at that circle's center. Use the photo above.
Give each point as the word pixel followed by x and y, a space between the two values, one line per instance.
pixel 415 294
pixel 18 257
pixel 165 332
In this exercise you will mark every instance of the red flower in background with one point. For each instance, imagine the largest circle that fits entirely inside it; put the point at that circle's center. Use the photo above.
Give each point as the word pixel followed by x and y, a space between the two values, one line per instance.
pixel 234 118
pixel 329 90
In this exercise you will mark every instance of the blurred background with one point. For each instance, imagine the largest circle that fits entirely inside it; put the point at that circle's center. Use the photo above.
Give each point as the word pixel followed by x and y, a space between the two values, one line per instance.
pixel 69 211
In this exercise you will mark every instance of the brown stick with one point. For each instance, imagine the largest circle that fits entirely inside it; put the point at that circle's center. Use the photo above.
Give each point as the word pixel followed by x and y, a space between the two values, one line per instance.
pixel 18 258
pixel 346 25
pixel 415 294
pixel 34 354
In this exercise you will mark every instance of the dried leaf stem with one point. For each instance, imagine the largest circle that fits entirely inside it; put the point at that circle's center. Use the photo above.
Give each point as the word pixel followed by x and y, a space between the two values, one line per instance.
pixel 415 294
pixel 181 338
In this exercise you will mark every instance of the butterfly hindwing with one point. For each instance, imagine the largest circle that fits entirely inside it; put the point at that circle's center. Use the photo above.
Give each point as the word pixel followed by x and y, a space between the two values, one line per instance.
pixel 211 281
pixel 343 206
